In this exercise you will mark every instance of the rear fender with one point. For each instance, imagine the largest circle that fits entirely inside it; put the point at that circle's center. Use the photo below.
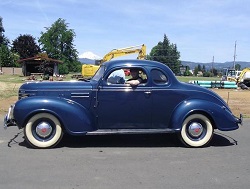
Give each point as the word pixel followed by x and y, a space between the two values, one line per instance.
pixel 74 118
pixel 220 116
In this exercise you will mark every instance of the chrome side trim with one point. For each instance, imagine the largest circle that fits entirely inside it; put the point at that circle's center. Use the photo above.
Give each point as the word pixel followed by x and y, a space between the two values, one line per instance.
pixel 130 131
pixel 80 95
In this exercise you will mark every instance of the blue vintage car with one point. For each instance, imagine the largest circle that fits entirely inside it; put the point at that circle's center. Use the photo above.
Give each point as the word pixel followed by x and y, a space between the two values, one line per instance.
pixel 159 103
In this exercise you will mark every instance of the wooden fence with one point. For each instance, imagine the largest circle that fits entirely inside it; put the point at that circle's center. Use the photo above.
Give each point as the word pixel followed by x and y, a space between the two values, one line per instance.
pixel 11 71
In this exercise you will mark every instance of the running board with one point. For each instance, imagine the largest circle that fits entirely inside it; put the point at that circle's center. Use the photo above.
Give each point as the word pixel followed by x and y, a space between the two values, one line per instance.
pixel 129 131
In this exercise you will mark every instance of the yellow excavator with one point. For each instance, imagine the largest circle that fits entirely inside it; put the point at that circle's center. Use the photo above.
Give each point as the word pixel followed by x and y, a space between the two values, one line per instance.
pixel 242 78
pixel 89 70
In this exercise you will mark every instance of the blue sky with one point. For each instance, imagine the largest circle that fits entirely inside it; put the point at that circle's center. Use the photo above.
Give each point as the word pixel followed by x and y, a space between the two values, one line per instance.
pixel 201 29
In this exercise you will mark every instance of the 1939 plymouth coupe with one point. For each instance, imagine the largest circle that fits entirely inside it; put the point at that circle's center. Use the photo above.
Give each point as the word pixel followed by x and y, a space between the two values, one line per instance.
pixel 109 104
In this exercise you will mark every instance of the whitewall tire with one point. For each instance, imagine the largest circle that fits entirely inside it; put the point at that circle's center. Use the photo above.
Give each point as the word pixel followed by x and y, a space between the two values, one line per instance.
pixel 197 131
pixel 43 130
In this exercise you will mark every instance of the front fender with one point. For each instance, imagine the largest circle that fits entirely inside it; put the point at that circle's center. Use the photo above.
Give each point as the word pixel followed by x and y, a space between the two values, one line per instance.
pixel 75 118
pixel 220 116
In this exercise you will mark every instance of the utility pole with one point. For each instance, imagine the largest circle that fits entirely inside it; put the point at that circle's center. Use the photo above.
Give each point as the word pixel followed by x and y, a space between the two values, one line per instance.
pixel 213 66
pixel 234 54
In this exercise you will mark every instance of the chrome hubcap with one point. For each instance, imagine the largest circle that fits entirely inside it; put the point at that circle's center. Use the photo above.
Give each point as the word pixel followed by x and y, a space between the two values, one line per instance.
pixel 43 129
pixel 195 129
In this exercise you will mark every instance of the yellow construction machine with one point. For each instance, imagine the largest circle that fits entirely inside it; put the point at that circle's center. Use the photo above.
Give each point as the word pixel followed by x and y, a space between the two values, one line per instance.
pixel 244 77
pixel 240 77
pixel 89 70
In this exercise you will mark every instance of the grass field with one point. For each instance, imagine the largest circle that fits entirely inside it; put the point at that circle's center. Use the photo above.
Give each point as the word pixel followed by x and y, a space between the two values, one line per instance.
pixel 12 79
pixel 190 78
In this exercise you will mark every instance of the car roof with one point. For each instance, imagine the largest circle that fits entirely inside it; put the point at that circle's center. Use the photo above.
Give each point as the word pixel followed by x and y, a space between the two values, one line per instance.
pixel 140 63
pixel 134 63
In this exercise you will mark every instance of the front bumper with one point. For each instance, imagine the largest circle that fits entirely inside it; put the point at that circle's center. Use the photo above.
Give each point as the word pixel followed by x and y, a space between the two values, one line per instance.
pixel 9 119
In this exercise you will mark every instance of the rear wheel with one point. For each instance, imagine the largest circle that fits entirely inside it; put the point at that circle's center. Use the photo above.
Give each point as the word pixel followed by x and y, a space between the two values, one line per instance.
pixel 197 131
pixel 43 130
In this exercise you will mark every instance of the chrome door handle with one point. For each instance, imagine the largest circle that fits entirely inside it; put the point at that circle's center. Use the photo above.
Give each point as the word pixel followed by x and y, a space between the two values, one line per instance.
pixel 147 93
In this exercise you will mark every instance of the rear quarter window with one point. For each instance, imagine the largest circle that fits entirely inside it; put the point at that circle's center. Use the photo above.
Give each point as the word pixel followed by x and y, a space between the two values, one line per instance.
pixel 158 77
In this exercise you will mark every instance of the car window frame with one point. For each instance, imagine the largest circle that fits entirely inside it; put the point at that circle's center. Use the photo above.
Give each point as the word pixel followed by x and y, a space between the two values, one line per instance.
pixel 121 84
pixel 99 73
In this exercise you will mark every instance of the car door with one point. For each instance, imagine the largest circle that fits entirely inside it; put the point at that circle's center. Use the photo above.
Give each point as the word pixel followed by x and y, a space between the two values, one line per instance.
pixel 121 106
pixel 165 98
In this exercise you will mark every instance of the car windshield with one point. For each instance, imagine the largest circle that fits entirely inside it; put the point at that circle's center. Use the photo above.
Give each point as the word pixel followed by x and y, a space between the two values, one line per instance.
pixel 98 75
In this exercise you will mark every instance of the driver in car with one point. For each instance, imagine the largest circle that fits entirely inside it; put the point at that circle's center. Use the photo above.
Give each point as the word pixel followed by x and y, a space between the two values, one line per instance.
pixel 136 79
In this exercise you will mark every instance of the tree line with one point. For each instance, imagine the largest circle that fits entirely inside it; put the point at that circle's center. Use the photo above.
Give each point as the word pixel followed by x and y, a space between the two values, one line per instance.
pixel 58 43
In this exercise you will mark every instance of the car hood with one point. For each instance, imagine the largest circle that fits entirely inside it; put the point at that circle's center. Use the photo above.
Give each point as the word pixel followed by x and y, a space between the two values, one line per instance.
pixel 67 85
pixel 53 88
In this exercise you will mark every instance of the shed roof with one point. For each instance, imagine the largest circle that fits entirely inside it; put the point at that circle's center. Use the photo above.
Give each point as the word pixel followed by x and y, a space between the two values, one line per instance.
pixel 39 58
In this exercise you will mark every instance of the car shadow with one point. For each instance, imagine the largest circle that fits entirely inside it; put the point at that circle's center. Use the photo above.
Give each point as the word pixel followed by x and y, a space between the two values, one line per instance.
pixel 16 139
pixel 221 139
pixel 136 141
pixel 124 140
pixel 139 140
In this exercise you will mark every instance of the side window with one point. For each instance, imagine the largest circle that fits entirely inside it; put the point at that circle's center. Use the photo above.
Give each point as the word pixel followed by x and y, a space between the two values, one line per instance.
pixel 158 77
pixel 116 77
pixel 137 74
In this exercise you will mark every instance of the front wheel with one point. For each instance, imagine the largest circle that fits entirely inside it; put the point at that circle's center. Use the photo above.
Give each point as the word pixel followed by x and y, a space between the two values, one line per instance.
pixel 196 131
pixel 43 130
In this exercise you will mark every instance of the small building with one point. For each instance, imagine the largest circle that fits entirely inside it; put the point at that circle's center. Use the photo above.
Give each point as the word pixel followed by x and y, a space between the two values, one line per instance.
pixel 40 64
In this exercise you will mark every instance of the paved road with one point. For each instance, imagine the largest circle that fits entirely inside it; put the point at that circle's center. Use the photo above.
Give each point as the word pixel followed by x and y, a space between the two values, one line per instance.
pixel 137 161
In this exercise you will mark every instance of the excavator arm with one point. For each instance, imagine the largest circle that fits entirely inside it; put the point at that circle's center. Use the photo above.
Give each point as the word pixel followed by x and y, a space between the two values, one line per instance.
pixel 244 75
pixel 89 70
pixel 140 49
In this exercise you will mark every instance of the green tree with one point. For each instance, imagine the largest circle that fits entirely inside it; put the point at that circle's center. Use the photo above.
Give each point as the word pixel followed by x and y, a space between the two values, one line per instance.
pixel 25 46
pixel 2 38
pixel 237 67
pixel 196 70
pixel 203 68
pixel 187 72
pixel 1 30
pixel 214 72
pixel 57 42
pixel 166 53
pixel 199 67
pixel 6 57
pixel 207 74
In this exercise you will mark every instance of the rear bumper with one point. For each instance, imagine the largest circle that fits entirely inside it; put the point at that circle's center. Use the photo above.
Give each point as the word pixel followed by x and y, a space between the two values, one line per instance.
pixel 9 119
pixel 239 120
